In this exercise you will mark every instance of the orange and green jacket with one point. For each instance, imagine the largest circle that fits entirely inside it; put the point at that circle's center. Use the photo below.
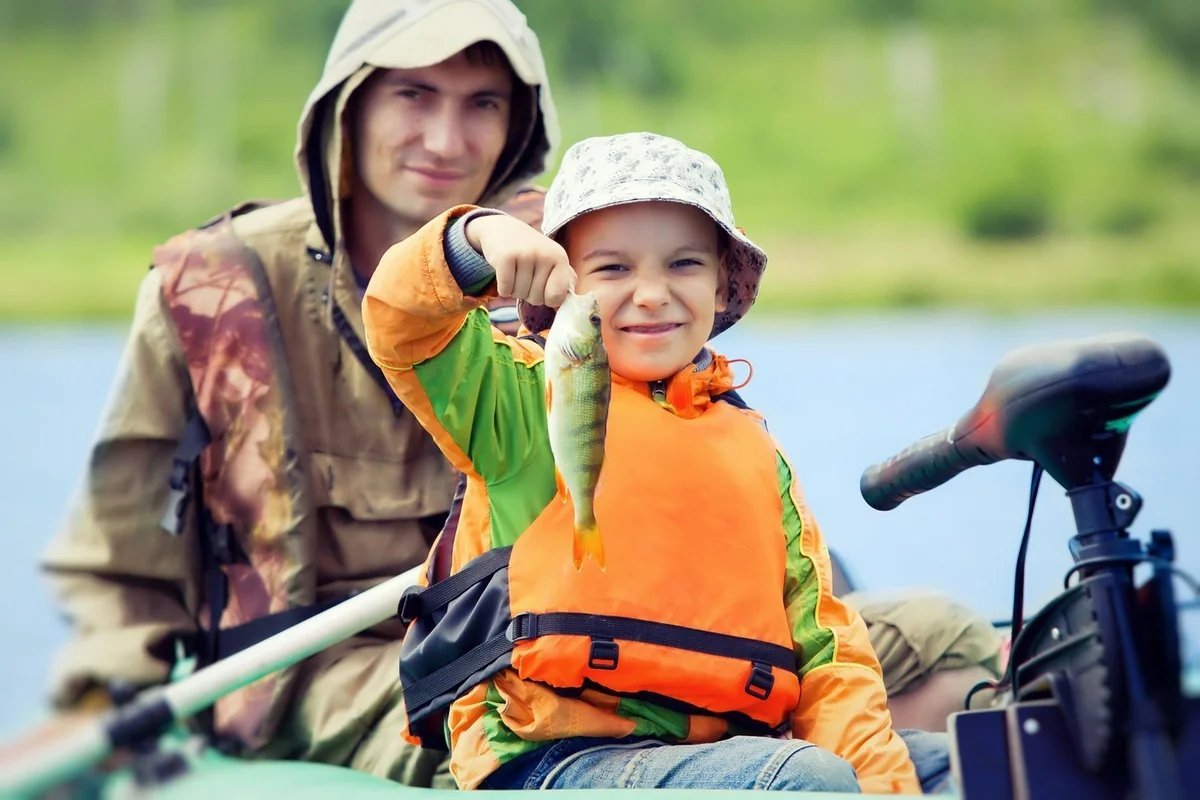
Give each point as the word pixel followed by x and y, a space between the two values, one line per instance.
pixel 725 520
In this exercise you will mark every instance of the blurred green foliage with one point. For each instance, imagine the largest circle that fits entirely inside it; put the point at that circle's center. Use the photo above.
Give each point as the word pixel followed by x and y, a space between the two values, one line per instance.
pixel 887 152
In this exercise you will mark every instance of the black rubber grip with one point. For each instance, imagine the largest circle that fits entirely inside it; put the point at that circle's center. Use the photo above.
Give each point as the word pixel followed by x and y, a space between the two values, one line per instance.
pixel 918 468
pixel 138 722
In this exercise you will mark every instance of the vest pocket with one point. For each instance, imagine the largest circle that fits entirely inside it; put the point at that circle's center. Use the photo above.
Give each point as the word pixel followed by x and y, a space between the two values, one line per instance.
pixel 375 490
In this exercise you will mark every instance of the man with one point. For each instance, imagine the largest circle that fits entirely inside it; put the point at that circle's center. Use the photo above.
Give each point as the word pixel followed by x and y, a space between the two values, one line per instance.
pixel 252 466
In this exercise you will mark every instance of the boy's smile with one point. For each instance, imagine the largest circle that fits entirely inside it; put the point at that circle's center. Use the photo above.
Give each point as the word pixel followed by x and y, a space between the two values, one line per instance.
pixel 657 273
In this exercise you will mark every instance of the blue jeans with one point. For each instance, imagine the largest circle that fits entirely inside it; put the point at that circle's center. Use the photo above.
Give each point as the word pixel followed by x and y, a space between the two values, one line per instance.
pixel 743 762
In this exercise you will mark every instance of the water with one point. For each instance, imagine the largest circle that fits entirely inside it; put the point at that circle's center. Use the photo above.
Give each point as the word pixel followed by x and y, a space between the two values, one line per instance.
pixel 840 393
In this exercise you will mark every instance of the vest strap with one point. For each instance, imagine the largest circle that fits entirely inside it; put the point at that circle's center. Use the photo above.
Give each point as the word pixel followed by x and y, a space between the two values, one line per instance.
pixel 417 601
pixel 601 627
pixel 239 637
pixel 191 444
pixel 419 695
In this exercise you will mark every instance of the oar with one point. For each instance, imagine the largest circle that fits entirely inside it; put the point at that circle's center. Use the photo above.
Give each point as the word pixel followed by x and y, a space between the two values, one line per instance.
pixel 156 708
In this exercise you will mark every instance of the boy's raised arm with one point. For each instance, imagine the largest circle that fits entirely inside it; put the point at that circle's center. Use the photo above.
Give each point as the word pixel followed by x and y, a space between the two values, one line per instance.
pixel 843 704
pixel 478 392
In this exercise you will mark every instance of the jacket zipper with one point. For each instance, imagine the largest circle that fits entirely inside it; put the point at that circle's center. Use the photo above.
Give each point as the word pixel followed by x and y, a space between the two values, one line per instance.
pixel 658 391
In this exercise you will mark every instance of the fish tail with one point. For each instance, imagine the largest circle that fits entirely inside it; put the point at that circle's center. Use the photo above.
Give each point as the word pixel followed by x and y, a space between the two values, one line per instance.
pixel 588 543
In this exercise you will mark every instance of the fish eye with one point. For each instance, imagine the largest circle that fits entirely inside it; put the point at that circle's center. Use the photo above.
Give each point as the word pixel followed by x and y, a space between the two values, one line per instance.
pixel 594 319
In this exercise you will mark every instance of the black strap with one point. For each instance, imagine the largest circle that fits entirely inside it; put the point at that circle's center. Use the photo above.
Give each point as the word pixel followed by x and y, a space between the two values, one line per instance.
pixel 417 601
pixel 346 331
pixel 216 593
pixel 218 543
pixel 191 444
pixel 419 695
pixel 529 626
pixel 238 638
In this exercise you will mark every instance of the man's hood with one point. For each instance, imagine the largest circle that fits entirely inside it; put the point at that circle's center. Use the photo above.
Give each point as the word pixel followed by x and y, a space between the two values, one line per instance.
pixel 415 33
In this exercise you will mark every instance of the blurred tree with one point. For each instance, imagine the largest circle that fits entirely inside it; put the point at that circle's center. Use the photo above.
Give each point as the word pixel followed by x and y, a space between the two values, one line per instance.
pixel 1174 24
pixel 604 43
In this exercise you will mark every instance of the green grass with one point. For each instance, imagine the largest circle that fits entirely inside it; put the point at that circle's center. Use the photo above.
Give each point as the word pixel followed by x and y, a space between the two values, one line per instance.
pixel 920 269
pixel 1006 154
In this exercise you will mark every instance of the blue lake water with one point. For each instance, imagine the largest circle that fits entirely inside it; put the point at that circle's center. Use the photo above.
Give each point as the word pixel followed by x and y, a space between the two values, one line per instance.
pixel 839 392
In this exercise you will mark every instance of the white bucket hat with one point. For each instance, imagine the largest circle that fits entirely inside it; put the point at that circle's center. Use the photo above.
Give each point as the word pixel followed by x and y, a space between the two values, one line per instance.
pixel 609 171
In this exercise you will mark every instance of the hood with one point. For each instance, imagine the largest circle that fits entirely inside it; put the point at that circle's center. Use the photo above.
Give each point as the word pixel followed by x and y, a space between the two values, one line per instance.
pixel 415 33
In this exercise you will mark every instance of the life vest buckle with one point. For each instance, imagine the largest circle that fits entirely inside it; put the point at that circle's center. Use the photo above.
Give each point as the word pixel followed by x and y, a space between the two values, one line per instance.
pixel 410 605
pixel 604 654
pixel 761 681
pixel 523 626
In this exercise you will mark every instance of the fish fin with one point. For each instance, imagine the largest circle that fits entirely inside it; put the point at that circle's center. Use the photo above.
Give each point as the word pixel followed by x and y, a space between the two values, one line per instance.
pixel 588 543
pixel 549 394
pixel 559 486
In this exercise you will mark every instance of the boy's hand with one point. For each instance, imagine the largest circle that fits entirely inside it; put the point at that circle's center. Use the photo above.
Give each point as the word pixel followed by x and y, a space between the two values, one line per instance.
pixel 529 266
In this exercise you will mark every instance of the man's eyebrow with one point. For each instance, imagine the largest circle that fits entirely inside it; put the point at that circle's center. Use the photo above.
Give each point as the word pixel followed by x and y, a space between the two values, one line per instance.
pixel 502 94
pixel 413 83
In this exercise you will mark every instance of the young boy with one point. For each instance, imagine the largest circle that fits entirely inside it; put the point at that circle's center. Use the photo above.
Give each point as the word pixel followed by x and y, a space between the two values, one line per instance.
pixel 709 651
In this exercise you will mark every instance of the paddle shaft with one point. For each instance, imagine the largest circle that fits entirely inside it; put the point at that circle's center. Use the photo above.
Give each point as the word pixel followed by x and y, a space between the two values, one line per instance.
pixel 156 708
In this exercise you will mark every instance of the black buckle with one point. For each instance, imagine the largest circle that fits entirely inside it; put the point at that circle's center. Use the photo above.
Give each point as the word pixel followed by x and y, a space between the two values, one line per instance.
pixel 177 503
pixel 761 681
pixel 604 654
pixel 409 607
pixel 523 626
pixel 179 474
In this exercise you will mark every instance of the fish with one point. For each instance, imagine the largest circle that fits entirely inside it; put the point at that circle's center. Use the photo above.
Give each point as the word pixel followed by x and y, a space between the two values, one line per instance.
pixel 578 387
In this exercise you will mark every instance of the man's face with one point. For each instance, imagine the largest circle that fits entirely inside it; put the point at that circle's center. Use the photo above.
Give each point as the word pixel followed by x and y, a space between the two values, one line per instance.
pixel 657 273
pixel 427 139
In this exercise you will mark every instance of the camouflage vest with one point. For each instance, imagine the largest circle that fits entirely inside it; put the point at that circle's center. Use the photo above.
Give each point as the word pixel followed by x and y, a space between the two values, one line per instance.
pixel 252 501
pixel 252 489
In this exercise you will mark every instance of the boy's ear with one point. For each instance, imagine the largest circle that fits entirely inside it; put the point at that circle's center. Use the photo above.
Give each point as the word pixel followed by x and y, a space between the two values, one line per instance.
pixel 722 283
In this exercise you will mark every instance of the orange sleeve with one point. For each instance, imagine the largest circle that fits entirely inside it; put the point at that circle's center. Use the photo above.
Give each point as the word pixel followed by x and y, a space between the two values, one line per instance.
pixel 843 703
pixel 413 306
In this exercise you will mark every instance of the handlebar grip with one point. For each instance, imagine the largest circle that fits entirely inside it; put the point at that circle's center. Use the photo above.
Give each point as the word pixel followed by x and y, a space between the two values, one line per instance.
pixel 918 468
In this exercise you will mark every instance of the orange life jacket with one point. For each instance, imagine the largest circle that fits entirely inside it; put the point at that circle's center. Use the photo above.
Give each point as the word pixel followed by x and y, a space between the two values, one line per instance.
pixel 688 611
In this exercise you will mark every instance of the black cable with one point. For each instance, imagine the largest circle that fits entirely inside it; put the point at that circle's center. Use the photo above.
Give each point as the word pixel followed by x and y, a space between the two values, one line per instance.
pixel 1018 615
pixel 975 689
pixel 1018 619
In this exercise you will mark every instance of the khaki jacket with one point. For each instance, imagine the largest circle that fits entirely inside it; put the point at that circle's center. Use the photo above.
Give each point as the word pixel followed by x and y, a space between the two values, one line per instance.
pixel 377 483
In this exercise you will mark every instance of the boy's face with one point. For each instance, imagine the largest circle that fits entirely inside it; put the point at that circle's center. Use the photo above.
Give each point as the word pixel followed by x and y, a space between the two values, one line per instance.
pixel 657 274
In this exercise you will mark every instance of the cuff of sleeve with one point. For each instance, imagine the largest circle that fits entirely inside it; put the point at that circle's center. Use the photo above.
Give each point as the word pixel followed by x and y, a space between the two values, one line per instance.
pixel 470 269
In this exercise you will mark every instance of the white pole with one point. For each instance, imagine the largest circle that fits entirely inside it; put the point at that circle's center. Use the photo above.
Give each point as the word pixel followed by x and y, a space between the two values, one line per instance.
pixel 63 758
